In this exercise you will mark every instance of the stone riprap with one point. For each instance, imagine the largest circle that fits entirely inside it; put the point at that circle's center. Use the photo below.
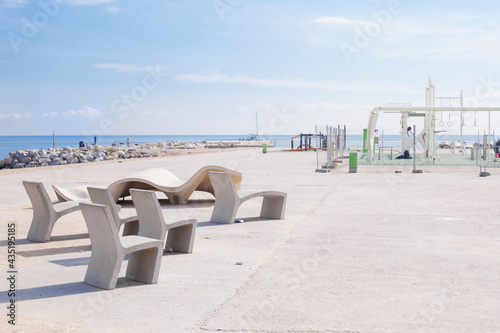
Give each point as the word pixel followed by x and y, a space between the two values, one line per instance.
pixel 67 155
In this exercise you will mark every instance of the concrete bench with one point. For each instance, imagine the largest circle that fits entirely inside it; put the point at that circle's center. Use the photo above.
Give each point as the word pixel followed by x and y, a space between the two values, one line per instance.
pixel 45 213
pixel 180 232
pixel 103 196
pixel 228 200
pixel 109 250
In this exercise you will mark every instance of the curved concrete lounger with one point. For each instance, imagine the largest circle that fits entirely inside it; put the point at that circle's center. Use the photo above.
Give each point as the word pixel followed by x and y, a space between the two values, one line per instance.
pixel 156 179
pixel 77 193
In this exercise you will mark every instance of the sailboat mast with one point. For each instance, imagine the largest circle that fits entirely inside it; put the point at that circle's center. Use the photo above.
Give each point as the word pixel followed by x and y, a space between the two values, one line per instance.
pixel 256 125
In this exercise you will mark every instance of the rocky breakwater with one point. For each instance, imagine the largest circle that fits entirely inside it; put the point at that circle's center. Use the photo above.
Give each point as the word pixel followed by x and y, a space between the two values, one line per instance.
pixel 67 155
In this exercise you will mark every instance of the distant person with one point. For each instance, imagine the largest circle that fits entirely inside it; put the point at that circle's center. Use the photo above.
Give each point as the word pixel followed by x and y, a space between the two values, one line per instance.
pixel 409 132
pixel 128 141
pixel 497 145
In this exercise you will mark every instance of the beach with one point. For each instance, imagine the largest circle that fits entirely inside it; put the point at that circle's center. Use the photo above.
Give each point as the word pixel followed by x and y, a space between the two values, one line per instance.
pixel 373 251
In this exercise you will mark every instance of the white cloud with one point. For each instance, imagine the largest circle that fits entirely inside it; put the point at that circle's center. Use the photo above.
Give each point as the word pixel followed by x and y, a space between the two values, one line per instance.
pixel 12 3
pixel 452 36
pixel 119 67
pixel 289 83
pixel 90 112
pixel 15 115
pixel 330 106
pixel 50 114
pixel 265 82
pixel 87 112
pixel 88 2
pixel 338 20
pixel 22 3
pixel 123 68
pixel 156 113
pixel 113 10
pixel 243 109
pixel 70 113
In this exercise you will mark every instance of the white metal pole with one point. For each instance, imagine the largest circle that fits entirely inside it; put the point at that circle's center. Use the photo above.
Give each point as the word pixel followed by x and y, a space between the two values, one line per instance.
pixel 414 149
pixel 317 156
pixel 462 122
pixel 461 131
pixel 489 127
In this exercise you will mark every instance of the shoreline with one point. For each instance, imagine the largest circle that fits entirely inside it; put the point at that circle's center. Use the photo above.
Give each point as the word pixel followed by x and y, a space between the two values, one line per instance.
pixel 10 144
pixel 33 158
pixel 174 153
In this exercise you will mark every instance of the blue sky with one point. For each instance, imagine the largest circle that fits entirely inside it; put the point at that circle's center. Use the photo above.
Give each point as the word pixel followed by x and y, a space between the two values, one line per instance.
pixel 204 67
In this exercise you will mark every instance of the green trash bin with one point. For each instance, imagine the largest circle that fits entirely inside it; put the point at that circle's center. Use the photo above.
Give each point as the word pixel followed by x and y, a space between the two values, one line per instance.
pixel 353 162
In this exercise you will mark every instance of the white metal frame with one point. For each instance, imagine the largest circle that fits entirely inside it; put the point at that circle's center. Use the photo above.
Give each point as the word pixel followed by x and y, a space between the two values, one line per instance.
pixel 429 130
pixel 427 137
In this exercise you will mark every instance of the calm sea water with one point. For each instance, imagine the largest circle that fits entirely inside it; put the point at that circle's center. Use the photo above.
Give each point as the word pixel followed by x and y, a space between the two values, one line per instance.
pixel 13 143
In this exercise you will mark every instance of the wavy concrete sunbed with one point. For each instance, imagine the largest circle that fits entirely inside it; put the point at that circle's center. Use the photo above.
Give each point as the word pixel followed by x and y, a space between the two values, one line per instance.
pixel 156 179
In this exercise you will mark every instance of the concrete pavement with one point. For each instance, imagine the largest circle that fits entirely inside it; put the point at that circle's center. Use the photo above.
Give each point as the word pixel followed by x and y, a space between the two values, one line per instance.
pixel 374 251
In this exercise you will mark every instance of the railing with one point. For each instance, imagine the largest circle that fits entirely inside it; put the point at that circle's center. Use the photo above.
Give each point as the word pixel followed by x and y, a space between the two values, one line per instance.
pixel 335 146
pixel 486 157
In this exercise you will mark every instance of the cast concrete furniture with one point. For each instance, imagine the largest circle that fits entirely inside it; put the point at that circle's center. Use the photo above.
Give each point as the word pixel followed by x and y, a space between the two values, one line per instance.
pixel 45 213
pixel 109 250
pixel 181 232
pixel 103 196
pixel 156 179
pixel 228 200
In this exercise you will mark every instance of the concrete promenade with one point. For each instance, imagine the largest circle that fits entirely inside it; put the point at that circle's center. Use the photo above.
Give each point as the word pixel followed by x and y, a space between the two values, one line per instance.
pixel 374 251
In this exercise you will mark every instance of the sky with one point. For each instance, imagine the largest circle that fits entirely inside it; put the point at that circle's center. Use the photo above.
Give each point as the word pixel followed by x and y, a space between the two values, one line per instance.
pixel 104 67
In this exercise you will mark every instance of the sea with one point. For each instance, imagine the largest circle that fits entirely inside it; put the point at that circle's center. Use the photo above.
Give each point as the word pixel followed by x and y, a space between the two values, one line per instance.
pixel 13 143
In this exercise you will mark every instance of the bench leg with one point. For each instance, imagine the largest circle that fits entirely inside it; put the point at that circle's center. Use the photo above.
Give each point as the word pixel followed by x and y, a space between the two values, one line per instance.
pixel 181 239
pixel 41 229
pixel 131 228
pixel 103 270
pixel 225 210
pixel 273 207
pixel 144 265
